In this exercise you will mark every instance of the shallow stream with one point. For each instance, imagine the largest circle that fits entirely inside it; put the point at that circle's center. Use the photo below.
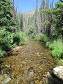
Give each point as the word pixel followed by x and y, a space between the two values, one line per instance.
pixel 28 64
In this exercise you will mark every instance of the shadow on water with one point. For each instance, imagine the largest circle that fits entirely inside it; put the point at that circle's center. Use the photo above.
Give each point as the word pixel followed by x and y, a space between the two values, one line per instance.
pixel 1 61
pixel 54 80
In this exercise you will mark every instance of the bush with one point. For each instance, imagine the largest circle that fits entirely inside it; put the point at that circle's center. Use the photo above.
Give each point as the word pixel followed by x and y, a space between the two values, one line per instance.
pixel 48 43
pixel 42 38
pixel 19 38
pixel 57 48
pixel 2 53
pixel 16 39
pixel 31 32
pixel 9 40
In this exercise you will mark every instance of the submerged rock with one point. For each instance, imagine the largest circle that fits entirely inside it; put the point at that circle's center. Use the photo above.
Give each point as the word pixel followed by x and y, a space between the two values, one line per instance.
pixel 4 79
pixel 30 72
pixel 38 54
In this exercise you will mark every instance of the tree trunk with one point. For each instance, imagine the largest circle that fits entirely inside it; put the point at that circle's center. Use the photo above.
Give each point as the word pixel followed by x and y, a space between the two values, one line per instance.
pixel 14 12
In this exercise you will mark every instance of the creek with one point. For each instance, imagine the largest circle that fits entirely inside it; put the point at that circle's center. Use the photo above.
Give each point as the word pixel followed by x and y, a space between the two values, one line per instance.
pixel 28 64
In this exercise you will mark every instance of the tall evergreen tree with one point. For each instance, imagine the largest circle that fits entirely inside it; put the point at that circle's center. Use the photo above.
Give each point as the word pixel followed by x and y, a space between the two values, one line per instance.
pixel 6 25
pixel 6 18
pixel 5 12
pixel 57 12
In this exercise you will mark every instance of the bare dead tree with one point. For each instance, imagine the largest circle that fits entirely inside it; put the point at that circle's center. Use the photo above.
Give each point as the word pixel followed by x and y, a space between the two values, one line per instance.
pixel 36 14
pixel 42 4
pixel 42 16
pixel 47 4
pixel 37 18
pixel 14 12
pixel 47 17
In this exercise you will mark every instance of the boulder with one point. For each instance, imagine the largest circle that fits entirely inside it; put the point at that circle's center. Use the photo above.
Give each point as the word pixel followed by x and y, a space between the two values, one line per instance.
pixel 58 72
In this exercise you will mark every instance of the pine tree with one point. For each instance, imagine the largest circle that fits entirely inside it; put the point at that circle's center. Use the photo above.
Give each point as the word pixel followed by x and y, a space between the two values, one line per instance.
pixel 57 12
pixel 6 18
pixel 5 12
pixel 6 25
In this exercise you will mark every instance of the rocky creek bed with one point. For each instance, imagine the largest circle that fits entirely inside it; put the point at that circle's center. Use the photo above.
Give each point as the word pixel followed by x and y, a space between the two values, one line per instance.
pixel 27 64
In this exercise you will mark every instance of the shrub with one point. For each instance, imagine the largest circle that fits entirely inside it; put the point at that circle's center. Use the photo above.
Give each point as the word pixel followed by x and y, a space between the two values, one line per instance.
pixel 19 38
pixel 41 37
pixel 16 39
pixel 57 48
pixel 31 32
pixel 33 35
pixel 11 29
pixel 9 40
pixel 2 53
pixel 56 53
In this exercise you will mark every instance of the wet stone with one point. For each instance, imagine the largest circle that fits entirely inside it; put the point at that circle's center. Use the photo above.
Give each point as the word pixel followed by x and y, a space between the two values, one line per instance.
pixel 58 71
pixel 4 79
pixel 38 54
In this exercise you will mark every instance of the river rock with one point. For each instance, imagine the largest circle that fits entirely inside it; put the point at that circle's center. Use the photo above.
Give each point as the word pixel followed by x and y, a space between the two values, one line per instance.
pixel 4 79
pixel 58 71
pixel 38 54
